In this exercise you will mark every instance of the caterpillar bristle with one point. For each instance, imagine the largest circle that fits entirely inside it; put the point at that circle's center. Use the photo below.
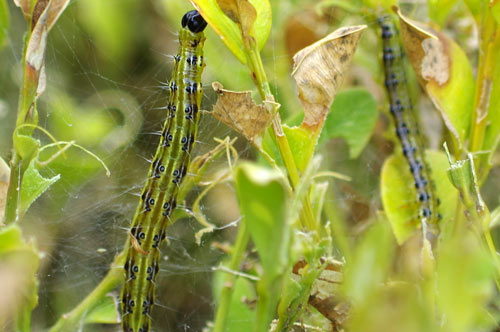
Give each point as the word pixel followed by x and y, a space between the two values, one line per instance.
pixel 167 170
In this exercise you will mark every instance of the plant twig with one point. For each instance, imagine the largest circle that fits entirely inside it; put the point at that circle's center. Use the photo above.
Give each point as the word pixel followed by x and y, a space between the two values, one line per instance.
pixel 228 286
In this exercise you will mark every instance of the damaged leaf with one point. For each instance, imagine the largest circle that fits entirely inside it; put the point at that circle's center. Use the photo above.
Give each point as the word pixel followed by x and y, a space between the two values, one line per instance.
pixel 36 46
pixel 234 20
pixel 54 9
pixel 25 6
pixel 241 12
pixel 238 111
pixel 319 70
pixel 45 14
pixel 34 185
pixel 443 70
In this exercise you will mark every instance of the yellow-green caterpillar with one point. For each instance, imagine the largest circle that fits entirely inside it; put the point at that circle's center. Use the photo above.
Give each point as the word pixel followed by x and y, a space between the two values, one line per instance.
pixel 166 173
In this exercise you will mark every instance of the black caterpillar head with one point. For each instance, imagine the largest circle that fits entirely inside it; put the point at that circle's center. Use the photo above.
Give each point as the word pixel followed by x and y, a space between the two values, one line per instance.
pixel 193 21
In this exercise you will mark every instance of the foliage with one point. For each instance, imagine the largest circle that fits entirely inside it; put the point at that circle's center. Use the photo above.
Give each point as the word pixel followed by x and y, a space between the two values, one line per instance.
pixel 329 235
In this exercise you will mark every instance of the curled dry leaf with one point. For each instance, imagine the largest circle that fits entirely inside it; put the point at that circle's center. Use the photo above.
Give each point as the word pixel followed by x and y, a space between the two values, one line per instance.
pixel 40 7
pixel 25 6
pixel 4 185
pixel 427 50
pixel 443 71
pixel 35 52
pixel 319 70
pixel 241 12
pixel 55 10
pixel 238 110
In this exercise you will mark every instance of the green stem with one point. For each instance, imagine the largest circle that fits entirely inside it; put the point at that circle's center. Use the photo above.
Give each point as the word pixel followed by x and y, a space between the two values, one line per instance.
pixel 27 99
pixel 489 48
pixel 71 320
pixel 263 305
pixel 259 75
pixel 268 291
pixel 493 252
pixel 23 319
pixel 228 286
pixel 11 205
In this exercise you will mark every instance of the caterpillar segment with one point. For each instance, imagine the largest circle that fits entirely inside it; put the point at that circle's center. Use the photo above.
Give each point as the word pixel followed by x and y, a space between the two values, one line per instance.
pixel 406 126
pixel 166 173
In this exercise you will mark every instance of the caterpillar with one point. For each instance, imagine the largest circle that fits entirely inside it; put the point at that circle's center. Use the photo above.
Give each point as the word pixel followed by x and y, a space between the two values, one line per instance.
pixel 407 127
pixel 167 170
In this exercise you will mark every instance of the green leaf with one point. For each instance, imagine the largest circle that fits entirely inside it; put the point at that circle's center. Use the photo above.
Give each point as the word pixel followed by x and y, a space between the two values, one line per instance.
pixel 399 197
pixel 229 31
pixel 11 239
pixel 263 199
pixel 353 117
pixel 263 203
pixel 34 184
pixel 302 144
pixel 240 314
pixel 105 312
pixel 26 146
pixel 4 22
pixel 19 261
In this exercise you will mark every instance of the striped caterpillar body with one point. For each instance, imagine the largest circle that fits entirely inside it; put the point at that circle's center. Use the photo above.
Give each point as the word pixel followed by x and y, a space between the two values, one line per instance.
pixel 407 127
pixel 169 166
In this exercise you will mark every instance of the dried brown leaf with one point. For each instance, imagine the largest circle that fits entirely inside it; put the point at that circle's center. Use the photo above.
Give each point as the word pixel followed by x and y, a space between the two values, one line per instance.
pixel 35 53
pixel 25 6
pixel 319 70
pixel 4 185
pixel 40 7
pixel 330 307
pixel 241 12
pixel 444 71
pixel 427 50
pixel 38 41
pixel 238 110
pixel 325 295
pixel 55 9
